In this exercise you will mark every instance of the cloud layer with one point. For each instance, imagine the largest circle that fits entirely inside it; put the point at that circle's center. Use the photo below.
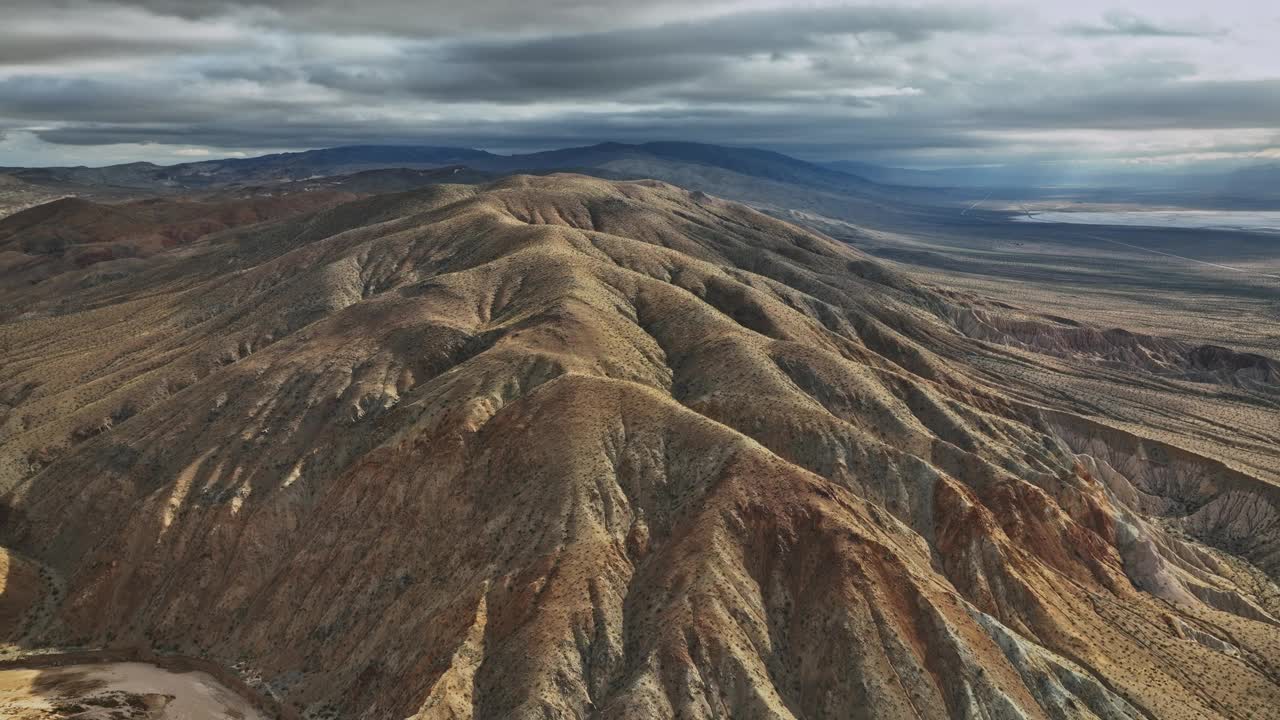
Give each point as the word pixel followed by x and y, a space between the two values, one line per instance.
pixel 915 85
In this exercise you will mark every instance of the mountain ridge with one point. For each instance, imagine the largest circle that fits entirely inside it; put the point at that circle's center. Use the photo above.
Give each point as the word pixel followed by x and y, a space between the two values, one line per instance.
pixel 560 446
pixel 347 159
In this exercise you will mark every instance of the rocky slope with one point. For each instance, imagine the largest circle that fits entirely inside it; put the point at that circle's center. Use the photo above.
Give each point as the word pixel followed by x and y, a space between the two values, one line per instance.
pixel 45 241
pixel 560 447
pixel 16 195
pixel 1117 347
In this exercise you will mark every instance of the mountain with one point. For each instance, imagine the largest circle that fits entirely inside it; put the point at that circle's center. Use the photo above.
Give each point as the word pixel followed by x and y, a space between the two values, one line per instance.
pixel 312 164
pixel 16 195
pixel 319 163
pixel 71 233
pixel 139 174
pixel 752 175
pixel 383 180
pixel 557 446
pixel 280 167
pixel 767 180
pixel 755 163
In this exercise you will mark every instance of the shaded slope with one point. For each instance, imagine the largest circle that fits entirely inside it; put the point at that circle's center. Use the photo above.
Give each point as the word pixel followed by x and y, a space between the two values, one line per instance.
pixel 279 167
pixel 328 162
pixel 45 241
pixel 559 447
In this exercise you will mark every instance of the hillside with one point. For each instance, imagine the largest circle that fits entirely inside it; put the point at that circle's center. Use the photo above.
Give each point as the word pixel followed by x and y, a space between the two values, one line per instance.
pixel 44 241
pixel 279 167
pixel 564 447
pixel 16 195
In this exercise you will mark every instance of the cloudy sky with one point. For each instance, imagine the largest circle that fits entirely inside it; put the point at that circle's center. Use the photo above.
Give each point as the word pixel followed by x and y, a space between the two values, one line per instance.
pixel 1139 82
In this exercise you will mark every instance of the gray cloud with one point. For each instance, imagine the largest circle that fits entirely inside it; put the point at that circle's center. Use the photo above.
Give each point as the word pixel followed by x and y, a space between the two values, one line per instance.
pixel 430 76
pixel 619 62
pixel 1126 24
pixel 790 133
pixel 829 80
pixel 417 18
pixel 1179 104
pixel 18 50
pixel 44 100
pixel 773 31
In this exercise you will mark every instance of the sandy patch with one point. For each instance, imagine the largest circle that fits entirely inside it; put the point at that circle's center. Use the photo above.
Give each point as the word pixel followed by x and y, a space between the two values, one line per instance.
pixel 117 691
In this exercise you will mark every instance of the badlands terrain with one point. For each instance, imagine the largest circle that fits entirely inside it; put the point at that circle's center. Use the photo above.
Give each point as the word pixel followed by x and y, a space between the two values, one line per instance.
pixel 567 447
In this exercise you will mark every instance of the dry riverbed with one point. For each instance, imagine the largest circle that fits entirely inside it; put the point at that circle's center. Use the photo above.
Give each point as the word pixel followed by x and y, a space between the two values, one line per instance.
pixel 117 691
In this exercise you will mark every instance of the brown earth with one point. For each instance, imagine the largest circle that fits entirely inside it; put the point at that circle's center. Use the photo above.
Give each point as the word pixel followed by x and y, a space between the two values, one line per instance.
pixel 72 233
pixel 562 447
pixel 16 195
pixel 116 691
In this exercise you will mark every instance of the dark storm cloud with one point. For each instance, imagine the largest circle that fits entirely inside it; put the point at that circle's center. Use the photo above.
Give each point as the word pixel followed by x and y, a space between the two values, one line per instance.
pixel 615 63
pixel 742 34
pixel 417 18
pixel 798 125
pixel 42 98
pixel 261 73
pixel 718 30
pixel 431 75
pixel 696 125
pixel 119 102
pixel 60 33
pixel 25 50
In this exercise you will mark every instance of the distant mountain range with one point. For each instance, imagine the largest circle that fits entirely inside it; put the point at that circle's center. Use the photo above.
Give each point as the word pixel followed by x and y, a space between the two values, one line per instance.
pixel 759 177
pixel 310 164
pixel 765 179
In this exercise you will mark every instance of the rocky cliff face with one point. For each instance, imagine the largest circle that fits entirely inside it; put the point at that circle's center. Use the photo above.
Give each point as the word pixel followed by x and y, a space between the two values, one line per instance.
pixel 559 447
